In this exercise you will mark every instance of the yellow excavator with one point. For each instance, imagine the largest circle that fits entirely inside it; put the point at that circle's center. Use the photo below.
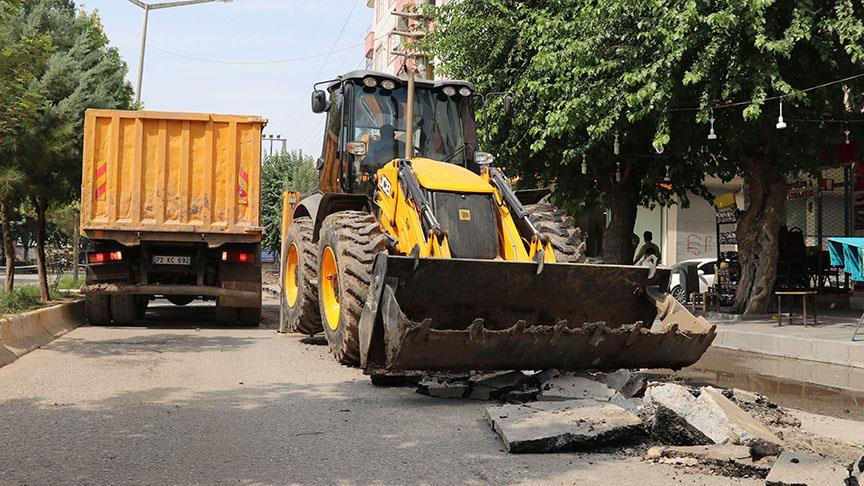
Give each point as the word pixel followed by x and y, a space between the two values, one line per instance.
pixel 416 254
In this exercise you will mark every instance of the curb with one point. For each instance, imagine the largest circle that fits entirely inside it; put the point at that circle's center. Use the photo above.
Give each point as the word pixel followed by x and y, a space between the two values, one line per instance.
pixel 843 353
pixel 22 333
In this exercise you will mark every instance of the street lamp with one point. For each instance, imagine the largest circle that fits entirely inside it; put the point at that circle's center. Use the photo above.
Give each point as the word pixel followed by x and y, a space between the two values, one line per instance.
pixel 147 7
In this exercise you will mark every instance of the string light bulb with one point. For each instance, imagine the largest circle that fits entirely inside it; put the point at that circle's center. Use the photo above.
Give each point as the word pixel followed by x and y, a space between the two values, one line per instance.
pixel 846 132
pixel 616 146
pixel 780 123
pixel 617 171
pixel 667 178
pixel 584 164
pixel 711 134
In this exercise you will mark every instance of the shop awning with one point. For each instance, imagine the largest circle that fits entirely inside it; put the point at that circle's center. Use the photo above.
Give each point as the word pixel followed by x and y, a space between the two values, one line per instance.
pixel 849 254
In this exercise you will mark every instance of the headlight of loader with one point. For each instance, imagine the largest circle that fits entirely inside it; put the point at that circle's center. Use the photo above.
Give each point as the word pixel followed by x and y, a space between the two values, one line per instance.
pixel 483 158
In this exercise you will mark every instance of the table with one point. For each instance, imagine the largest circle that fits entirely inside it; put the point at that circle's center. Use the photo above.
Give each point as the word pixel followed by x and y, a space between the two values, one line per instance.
pixel 805 295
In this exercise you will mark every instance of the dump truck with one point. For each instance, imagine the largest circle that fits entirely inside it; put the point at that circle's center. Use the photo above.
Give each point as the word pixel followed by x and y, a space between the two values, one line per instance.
pixel 415 253
pixel 170 206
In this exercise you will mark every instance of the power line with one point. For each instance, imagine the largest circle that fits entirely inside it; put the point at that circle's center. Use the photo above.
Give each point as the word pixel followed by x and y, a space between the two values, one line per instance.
pixel 275 61
pixel 291 119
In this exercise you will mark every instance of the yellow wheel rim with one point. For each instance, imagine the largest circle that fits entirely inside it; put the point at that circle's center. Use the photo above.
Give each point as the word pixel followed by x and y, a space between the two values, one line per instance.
pixel 330 288
pixel 291 285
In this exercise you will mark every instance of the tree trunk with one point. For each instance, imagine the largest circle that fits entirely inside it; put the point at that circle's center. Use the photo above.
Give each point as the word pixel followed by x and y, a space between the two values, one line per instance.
pixel 41 265
pixel 76 251
pixel 618 241
pixel 25 255
pixel 757 233
pixel 8 246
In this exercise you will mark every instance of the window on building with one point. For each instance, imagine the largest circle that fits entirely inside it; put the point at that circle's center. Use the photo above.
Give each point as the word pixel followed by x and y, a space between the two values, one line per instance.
pixel 389 50
pixel 379 58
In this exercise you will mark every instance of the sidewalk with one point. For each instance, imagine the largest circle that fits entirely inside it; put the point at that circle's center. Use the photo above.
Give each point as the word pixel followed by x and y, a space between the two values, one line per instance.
pixel 829 342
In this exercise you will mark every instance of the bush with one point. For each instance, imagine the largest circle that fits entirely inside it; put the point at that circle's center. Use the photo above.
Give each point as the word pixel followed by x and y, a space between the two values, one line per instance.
pixel 66 282
pixel 20 299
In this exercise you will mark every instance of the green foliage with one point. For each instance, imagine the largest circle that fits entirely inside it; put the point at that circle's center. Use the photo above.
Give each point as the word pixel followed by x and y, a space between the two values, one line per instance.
pixel 21 100
pixel 20 299
pixel 583 70
pixel 82 72
pixel 66 282
pixel 287 171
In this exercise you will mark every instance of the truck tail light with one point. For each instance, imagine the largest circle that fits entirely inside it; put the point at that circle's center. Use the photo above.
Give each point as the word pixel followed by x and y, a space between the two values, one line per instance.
pixel 104 256
pixel 238 257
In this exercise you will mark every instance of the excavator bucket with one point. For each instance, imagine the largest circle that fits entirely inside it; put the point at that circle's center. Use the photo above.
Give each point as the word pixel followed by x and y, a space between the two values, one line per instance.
pixel 432 314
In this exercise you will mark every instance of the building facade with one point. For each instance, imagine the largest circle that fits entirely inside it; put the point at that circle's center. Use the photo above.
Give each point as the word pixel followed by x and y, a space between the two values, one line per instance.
pixel 383 42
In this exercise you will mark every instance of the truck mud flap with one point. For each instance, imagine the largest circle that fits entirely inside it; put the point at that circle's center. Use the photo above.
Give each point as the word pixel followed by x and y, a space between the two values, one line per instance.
pixel 459 314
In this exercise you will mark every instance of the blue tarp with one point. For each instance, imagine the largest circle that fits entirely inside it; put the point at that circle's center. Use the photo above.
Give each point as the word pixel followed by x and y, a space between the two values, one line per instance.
pixel 849 254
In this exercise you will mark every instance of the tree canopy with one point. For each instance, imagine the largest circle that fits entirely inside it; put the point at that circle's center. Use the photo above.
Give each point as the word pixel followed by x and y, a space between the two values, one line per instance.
pixel 652 72
pixel 285 171
pixel 61 63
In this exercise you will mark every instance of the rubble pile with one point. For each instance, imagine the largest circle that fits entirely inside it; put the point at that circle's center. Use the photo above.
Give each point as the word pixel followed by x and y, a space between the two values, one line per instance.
pixel 733 433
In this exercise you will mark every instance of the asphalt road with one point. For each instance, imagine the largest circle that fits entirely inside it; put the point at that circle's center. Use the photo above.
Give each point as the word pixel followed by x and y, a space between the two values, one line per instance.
pixel 179 400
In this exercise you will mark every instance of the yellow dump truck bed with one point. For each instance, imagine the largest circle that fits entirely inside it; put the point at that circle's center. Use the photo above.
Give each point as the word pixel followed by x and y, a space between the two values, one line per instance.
pixel 157 175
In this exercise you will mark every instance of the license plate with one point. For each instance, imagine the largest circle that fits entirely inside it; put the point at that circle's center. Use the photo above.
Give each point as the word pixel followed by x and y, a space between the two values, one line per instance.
pixel 172 260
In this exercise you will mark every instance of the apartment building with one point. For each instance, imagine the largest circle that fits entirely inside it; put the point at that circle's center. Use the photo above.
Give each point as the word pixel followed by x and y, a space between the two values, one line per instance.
pixel 383 43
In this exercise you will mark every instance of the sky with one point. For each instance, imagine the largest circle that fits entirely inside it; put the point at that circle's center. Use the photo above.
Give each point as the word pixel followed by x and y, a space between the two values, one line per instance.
pixel 245 36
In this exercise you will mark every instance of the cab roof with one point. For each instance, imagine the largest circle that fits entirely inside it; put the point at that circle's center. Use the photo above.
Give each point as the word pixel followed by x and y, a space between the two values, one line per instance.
pixel 359 74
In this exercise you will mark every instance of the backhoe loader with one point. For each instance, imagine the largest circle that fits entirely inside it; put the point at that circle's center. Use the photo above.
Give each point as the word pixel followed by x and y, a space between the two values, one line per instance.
pixel 416 254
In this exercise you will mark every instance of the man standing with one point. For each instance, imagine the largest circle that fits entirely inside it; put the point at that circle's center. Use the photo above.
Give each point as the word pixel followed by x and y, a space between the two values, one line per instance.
pixel 648 244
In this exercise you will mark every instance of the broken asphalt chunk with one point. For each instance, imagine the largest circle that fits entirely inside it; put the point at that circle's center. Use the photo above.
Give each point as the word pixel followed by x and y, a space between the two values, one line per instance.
pixel 569 387
pixel 799 470
pixel 561 425
pixel 683 419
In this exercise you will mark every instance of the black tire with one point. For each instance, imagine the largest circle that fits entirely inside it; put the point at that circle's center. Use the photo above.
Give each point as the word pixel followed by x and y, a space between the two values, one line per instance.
pixel 679 294
pixel 98 309
pixel 304 316
pixel 226 315
pixel 141 303
pixel 123 309
pixel 180 300
pixel 354 237
pixel 563 234
pixel 250 316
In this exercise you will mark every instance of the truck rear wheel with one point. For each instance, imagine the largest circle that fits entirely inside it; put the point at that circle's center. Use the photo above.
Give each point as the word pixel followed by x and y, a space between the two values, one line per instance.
pixel 298 305
pixel 250 316
pixel 98 309
pixel 124 310
pixel 348 243
pixel 563 234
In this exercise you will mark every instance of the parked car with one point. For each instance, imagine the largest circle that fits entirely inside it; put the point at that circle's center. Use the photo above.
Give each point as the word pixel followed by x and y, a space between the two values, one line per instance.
pixel 690 276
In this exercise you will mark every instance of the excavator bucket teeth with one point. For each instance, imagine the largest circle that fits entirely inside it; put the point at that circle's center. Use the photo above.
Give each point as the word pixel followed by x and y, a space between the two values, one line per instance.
pixel 425 314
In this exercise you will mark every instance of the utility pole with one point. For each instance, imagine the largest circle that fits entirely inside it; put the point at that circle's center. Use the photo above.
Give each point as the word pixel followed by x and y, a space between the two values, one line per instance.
pixel 416 26
pixel 275 138
pixel 147 7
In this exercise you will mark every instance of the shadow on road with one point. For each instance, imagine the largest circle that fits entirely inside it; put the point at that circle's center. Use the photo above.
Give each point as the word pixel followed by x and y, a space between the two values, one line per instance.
pixel 201 316
pixel 150 344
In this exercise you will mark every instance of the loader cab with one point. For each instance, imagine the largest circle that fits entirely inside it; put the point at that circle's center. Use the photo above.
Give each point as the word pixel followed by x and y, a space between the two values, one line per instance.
pixel 366 126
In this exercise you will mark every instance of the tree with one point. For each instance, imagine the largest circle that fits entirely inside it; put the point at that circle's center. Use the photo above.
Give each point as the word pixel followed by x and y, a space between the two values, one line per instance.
pixel 751 52
pixel 21 102
pixel 286 171
pixel 82 72
pixel 581 73
pixel 652 71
